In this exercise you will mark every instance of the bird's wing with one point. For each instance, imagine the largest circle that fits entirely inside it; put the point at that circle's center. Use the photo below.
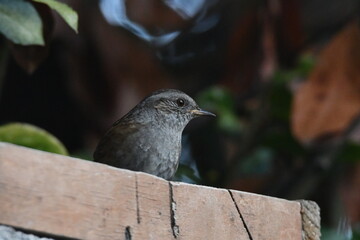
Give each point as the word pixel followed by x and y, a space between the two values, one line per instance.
pixel 114 146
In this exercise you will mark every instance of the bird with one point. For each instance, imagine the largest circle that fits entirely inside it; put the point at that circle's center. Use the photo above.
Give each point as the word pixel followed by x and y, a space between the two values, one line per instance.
pixel 148 137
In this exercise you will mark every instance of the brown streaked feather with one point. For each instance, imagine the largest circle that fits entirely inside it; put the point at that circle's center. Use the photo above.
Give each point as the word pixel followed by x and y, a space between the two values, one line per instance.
pixel 113 140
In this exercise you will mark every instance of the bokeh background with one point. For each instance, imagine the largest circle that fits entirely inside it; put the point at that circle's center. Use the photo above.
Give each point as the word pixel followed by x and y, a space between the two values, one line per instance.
pixel 283 77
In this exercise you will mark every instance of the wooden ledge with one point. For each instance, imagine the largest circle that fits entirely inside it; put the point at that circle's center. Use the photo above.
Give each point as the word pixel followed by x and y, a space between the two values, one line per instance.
pixel 79 199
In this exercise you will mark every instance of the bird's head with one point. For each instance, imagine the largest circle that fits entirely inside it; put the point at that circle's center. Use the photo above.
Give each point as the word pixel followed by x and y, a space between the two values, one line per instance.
pixel 174 107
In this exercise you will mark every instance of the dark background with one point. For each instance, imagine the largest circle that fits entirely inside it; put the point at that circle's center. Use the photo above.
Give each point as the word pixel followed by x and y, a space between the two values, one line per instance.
pixel 283 76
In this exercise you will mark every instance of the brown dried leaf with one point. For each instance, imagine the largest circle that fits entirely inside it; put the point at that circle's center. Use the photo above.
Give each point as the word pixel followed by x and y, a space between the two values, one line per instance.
pixel 327 103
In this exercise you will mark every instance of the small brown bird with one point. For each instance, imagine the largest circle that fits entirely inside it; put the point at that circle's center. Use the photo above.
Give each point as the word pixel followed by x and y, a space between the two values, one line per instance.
pixel 148 138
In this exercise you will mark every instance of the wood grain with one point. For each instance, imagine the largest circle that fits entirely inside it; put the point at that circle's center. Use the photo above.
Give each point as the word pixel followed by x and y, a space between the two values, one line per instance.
pixel 79 199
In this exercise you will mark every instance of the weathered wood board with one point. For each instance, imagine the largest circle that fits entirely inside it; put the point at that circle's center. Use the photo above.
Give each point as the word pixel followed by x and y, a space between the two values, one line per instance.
pixel 79 199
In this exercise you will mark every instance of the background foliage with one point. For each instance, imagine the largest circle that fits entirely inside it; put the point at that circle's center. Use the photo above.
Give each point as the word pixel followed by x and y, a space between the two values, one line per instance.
pixel 281 75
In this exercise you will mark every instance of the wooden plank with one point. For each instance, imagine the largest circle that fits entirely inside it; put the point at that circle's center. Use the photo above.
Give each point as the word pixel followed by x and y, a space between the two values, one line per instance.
pixel 269 218
pixel 64 196
pixel 206 213
pixel 153 215
pixel 70 197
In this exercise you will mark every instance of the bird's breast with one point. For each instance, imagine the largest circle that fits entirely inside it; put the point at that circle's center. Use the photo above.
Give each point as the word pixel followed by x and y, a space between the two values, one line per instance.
pixel 161 152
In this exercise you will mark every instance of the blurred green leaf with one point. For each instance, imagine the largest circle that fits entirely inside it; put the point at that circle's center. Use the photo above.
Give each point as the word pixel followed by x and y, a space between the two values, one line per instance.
pixel 283 77
pixel 305 65
pixel 281 97
pixel 332 234
pixel 67 13
pixel 280 102
pixel 350 152
pixel 186 174
pixel 356 232
pixel 281 140
pixel 216 99
pixel 228 121
pixel 220 101
pixel 31 136
pixel 83 154
pixel 20 22
pixel 258 162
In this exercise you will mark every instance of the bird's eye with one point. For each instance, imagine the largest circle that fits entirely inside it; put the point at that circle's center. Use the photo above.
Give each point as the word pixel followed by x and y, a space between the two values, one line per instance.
pixel 180 102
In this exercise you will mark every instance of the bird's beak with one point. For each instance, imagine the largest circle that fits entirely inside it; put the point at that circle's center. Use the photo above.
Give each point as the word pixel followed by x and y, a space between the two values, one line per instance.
pixel 200 112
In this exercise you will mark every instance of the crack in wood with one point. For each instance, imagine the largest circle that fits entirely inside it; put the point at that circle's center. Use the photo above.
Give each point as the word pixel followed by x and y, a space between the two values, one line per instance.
pixel 175 228
pixel 241 216
pixel 137 200
pixel 128 233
